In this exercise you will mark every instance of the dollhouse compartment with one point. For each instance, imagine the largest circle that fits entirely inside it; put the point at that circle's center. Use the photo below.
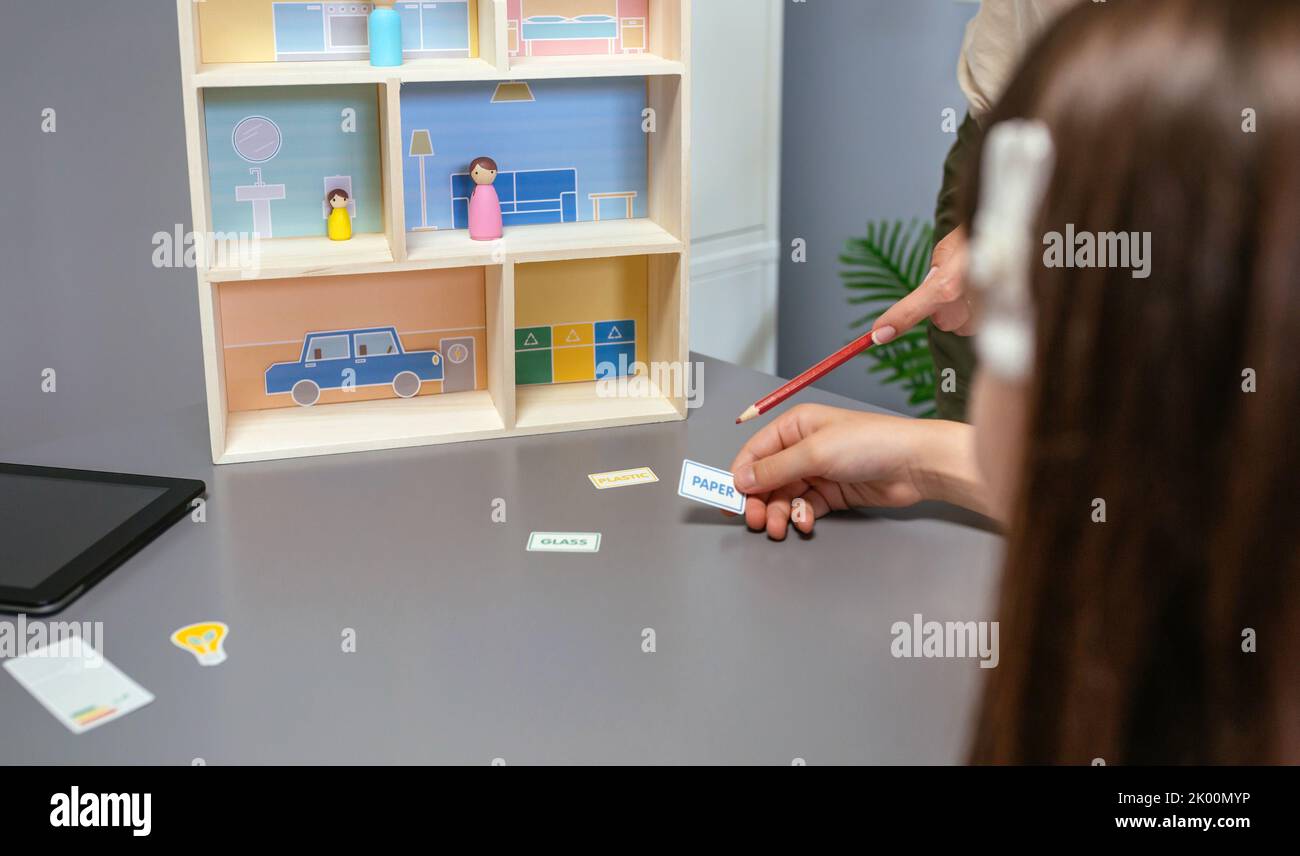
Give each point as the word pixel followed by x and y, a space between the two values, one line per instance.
pixel 310 365
pixel 598 342
pixel 580 176
pixel 542 35
pixel 255 42
pixel 272 154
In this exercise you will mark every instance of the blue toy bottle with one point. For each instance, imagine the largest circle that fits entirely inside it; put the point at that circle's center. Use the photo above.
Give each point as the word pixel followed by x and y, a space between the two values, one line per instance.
pixel 385 36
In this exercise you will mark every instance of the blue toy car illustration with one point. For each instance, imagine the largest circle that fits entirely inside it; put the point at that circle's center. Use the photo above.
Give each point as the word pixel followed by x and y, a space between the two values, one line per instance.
pixel 353 358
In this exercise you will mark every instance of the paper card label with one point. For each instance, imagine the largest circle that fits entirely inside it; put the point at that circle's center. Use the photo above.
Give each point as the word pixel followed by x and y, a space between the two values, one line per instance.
pixel 623 478
pixel 564 542
pixel 711 486
pixel 77 684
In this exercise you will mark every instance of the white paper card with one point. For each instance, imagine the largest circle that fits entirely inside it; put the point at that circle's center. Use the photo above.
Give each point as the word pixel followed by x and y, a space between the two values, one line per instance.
pixel 623 478
pixel 564 542
pixel 74 682
pixel 711 486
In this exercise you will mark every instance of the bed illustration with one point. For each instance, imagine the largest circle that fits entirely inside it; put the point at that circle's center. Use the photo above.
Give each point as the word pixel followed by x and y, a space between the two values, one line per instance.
pixel 560 27
pixel 556 28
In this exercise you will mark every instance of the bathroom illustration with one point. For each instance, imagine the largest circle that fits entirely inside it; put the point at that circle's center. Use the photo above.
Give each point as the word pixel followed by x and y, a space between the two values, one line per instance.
pixel 277 156
pixel 567 151
pixel 294 31
pixel 576 27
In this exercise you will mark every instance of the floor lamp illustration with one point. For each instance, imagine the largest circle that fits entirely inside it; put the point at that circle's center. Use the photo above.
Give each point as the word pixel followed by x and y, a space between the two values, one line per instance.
pixel 422 147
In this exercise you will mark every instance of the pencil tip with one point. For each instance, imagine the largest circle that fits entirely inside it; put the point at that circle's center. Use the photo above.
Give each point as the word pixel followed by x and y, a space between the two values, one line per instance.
pixel 749 414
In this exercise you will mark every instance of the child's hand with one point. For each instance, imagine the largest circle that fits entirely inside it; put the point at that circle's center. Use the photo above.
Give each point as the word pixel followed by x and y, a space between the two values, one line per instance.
pixel 831 460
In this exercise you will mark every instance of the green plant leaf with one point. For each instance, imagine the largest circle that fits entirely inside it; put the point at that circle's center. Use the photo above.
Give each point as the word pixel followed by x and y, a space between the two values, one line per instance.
pixel 879 269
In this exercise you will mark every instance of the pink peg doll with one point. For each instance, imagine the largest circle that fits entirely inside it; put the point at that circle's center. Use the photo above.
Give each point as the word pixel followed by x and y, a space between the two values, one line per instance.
pixel 484 205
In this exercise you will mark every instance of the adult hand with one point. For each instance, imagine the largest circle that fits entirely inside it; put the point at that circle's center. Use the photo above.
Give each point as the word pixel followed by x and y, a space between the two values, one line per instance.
pixel 941 297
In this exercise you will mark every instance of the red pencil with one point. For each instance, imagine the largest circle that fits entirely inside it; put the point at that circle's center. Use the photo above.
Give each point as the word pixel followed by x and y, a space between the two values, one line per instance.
pixel 817 372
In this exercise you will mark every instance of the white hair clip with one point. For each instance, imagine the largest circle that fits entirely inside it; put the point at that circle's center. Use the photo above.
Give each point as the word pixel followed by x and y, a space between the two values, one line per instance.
pixel 1018 162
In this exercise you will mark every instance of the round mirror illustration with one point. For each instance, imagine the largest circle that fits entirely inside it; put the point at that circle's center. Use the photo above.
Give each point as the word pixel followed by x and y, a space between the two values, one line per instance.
pixel 256 139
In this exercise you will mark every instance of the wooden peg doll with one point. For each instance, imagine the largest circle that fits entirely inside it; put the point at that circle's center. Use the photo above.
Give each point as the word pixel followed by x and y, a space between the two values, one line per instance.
pixel 484 205
pixel 339 224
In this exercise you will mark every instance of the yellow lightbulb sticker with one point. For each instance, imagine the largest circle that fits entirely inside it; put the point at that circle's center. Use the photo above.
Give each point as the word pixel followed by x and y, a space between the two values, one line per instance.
pixel 204 640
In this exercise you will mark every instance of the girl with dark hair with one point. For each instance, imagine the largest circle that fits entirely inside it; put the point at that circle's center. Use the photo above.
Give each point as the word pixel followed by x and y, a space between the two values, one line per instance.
pixel 1136 435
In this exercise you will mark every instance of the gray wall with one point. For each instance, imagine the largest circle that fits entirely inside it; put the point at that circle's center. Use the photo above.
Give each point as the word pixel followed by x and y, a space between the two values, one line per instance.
pixel 866 82
pixel 78 290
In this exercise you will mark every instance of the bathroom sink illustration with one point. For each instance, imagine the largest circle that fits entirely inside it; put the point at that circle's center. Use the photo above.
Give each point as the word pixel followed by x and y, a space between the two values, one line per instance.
pixel 261 195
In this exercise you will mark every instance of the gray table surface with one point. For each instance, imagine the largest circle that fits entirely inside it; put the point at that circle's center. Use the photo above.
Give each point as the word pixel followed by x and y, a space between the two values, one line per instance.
pixel 471 649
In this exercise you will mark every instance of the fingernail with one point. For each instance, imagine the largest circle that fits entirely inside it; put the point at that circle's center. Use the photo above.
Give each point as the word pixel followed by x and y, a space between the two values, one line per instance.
pixel 744 478
pixel 884 335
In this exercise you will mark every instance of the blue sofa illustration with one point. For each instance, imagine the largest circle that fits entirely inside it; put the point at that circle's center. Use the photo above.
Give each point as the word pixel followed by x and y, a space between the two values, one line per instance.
pixel 527 197
pixel 367 357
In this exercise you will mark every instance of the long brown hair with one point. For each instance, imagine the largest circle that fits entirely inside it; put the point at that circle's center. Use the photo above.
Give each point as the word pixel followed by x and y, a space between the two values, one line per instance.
pixel 1170 632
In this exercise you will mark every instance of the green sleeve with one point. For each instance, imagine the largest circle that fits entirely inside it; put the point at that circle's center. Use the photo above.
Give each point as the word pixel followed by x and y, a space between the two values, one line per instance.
pixel 947 213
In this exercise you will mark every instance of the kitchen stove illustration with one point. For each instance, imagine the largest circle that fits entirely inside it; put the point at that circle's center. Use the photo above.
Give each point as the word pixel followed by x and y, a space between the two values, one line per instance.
pixel 306 32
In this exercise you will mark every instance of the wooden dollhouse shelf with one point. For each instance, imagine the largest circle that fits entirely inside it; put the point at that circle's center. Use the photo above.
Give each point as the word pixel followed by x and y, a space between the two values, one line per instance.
pixel 438 287
pixel 294 257
pixel 577 405
pixel 548 242
pixel 280 258
pixel 213 75
pixel 295 432
pixel 319 73
pixel 540 67
pixel 589 240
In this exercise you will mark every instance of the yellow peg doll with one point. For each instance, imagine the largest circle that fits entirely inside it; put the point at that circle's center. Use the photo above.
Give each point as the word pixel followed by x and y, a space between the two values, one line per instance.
pixel 339 225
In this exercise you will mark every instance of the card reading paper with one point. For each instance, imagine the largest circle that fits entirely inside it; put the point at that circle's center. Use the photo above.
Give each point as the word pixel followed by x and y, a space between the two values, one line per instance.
pixel 622 478
pixel 711 486
pixel 564 542
pixel 76 684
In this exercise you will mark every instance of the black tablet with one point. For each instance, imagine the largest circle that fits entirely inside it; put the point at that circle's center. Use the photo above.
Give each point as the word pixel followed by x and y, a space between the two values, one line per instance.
pixel 62 531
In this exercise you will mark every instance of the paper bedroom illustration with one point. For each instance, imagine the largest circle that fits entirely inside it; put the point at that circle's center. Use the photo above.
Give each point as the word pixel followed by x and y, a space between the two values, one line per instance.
pixel 576 27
